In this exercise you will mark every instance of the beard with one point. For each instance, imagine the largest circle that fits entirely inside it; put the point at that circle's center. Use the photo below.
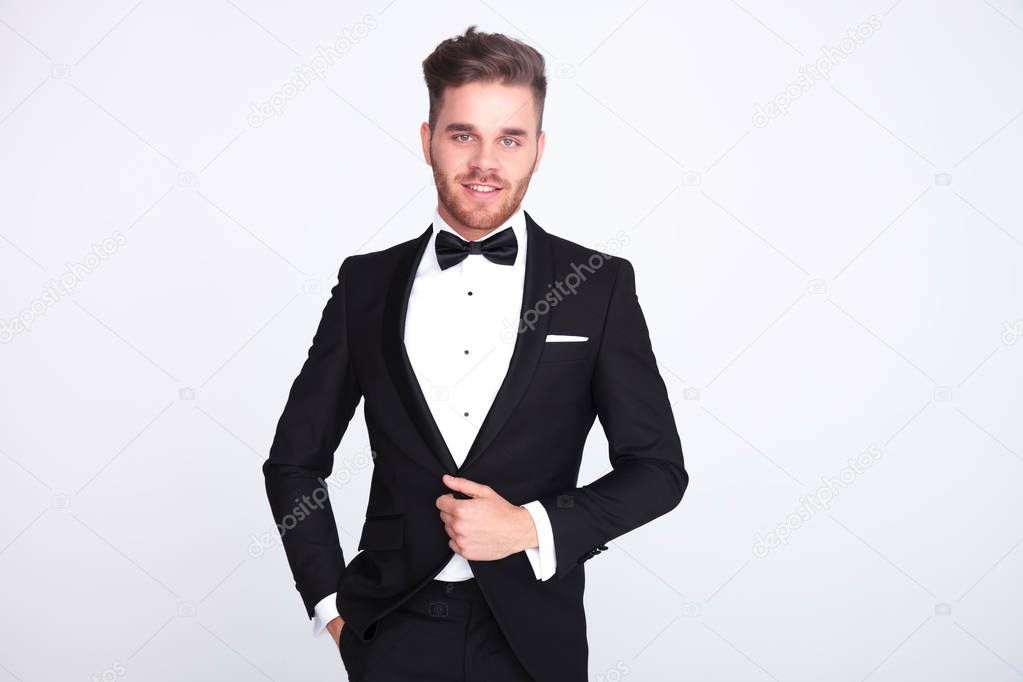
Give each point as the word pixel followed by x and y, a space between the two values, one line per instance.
pixel 468 211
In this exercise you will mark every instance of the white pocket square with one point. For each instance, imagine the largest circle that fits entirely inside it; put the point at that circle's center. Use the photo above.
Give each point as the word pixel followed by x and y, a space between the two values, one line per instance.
pixel 565 337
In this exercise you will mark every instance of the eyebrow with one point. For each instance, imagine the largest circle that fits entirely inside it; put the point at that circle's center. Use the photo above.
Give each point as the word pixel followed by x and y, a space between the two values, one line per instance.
pixel 470 128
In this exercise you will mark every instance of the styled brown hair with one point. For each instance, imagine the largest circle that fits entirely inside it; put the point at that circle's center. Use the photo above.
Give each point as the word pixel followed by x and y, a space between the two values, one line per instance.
pixel 486 57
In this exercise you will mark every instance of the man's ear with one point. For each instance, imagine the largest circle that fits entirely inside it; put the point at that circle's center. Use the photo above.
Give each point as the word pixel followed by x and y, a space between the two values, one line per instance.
pixel 424 133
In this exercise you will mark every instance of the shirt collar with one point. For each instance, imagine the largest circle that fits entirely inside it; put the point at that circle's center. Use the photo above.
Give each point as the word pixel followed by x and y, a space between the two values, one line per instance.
pixel 516 221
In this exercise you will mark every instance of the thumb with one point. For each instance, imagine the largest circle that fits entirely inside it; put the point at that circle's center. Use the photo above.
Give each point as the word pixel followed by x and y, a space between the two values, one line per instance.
pixel 464 485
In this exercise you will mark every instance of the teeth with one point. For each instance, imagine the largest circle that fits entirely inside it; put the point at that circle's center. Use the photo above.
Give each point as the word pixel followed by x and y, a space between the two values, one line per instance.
pixel 482 188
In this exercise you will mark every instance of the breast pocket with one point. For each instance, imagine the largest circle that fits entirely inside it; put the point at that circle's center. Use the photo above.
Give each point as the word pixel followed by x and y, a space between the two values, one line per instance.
pixel 565 351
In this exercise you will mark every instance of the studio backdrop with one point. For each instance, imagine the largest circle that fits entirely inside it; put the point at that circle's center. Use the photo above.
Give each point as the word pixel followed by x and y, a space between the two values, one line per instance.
pixel 821 202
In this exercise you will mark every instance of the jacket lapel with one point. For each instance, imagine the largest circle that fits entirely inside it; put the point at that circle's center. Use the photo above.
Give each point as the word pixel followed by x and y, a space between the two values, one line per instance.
pixel 529 343
pixel 396 356
pixel 534 320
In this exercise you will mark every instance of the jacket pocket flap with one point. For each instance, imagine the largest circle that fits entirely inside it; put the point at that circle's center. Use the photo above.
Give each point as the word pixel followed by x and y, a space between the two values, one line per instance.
pixel 382 533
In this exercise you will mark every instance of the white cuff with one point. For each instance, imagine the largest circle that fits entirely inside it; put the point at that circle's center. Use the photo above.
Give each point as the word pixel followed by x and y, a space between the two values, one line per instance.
pixel 325 611
pixel 541 558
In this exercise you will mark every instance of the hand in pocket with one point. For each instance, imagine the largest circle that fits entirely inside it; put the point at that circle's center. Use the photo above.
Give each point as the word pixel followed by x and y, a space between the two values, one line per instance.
pixel 335 627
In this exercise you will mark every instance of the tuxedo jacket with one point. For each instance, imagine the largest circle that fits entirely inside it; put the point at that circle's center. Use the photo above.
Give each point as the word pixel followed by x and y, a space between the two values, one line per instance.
pixel 529 446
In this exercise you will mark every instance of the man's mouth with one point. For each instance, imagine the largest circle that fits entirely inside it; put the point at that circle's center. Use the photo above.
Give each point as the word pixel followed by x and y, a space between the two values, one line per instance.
pixel 482 190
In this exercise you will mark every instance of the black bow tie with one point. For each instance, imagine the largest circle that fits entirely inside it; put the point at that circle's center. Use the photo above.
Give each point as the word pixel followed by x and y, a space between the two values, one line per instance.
pixel 499 248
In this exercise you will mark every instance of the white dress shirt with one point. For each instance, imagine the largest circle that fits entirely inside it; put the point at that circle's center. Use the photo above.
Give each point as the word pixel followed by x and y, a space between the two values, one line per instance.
pixel 457 342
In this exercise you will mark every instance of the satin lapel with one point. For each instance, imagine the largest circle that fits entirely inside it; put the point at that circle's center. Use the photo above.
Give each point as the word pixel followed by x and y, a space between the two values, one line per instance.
pixel 396 356
pixel 534 320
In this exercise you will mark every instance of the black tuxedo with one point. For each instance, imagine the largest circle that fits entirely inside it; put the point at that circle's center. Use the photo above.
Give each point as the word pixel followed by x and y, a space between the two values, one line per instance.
pixel 529 446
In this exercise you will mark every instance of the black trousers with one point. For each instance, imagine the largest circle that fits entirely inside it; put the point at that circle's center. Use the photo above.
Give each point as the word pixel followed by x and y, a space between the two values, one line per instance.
pixel 445 632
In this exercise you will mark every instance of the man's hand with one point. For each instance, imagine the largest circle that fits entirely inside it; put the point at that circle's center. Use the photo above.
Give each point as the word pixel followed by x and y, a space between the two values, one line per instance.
pixel 485 527
pixel 334 628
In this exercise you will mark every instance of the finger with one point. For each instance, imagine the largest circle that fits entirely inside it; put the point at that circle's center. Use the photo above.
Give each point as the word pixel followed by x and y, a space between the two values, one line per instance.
pixel 464 485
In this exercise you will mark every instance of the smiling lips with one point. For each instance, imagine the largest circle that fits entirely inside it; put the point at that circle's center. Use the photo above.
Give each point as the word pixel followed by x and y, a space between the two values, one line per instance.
pixel 481 190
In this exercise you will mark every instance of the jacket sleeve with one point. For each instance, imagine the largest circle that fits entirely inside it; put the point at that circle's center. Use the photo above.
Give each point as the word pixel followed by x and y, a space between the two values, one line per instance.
pixel 648 477
pixel 319 407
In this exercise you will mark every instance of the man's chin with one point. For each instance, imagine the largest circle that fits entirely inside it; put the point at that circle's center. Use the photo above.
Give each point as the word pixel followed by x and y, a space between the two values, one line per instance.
pixel 481 219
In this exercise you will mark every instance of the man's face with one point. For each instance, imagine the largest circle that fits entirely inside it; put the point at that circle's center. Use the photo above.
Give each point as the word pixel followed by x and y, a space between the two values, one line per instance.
pixel 485 135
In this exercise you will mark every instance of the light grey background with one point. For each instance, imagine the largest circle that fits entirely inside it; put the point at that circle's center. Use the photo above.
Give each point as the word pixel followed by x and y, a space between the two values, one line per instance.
pixel 838 282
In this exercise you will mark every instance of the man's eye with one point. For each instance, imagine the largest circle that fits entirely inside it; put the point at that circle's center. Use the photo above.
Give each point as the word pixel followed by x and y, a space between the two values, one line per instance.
pixel 508 139
pixel 462 135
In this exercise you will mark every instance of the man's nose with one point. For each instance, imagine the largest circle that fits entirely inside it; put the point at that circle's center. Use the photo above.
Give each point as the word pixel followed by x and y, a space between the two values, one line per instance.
pixel 484 160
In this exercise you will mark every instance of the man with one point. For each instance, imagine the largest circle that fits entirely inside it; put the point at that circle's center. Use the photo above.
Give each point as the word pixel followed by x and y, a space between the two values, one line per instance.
pixel 484 350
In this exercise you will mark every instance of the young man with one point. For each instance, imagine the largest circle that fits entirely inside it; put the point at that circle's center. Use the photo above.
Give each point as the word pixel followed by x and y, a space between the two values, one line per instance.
pixel 484 349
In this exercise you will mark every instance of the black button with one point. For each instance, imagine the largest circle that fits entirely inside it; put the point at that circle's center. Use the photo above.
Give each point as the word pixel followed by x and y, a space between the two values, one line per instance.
pixel 465 414
pixel 449 588
pixel 470 293
pixel 466 351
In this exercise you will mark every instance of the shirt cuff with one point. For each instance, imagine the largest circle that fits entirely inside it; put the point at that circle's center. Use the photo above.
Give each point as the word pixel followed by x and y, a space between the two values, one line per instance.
pixel 324 612
pixel 541 558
